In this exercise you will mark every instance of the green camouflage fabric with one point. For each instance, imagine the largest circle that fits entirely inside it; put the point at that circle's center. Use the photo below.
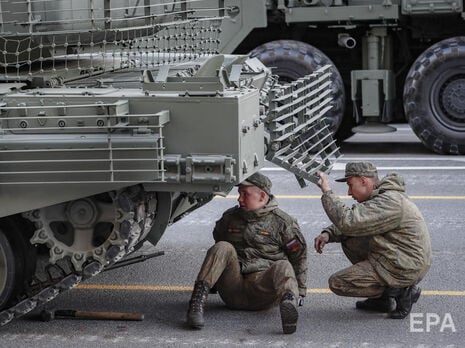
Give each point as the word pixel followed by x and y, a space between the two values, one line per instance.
pixel 262 237
pixel 400 247
pixel 359 169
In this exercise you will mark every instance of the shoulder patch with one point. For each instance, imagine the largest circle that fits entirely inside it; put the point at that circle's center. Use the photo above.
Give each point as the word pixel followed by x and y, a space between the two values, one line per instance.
pixel 294 245
pixel 234 230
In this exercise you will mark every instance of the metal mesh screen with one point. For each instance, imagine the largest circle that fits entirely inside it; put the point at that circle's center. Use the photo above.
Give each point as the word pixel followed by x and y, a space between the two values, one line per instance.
pixel 62 40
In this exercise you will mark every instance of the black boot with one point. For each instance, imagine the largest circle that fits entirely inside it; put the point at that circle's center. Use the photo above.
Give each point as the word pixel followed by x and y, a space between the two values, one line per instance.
pixel 197 303
pixel 289 314
pixel 383 304
pixel 405 298
pixel 416 292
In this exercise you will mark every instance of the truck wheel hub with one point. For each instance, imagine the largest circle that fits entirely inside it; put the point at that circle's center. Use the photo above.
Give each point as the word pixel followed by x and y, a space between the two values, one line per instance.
pixel 452 97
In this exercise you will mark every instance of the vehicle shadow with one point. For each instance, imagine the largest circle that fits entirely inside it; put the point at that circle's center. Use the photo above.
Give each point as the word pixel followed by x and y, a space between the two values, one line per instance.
pixel 402 141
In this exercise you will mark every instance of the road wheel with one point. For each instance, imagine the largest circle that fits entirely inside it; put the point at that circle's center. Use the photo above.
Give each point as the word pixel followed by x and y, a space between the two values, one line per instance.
pixel 434 97
pixel 15 250
pixel 8 270
pixel 293 59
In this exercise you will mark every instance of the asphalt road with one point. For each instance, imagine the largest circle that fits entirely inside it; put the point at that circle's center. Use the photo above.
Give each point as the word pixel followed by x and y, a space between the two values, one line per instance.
pixel 160 288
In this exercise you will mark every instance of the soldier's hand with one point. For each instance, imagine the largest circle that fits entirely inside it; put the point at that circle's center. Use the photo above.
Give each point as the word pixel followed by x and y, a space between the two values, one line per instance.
pixel 323 183
pixel 300 301
pixel 320 242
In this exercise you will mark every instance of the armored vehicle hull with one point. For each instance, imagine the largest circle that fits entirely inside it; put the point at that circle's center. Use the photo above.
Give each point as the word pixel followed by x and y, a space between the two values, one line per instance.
pixel 117 119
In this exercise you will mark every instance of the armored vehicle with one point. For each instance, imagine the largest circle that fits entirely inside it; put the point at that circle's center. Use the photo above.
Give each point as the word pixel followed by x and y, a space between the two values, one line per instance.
pixel 392 60
pixel 117 119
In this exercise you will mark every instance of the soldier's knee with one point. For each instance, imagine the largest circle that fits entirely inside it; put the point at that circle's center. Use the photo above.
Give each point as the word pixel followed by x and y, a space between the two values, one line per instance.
pixel 283 265
pixel 223 248
pixel 224 245
pixel 336 285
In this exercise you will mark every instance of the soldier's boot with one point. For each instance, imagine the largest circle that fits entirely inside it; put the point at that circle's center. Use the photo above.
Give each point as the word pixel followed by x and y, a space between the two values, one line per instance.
pixel 383 304
pixel 197 304
pixel 405 298
pixel 416 292
pixel 289 314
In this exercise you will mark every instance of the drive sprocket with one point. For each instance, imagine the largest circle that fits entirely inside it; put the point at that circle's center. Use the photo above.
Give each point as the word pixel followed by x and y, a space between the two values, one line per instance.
pixel 89 229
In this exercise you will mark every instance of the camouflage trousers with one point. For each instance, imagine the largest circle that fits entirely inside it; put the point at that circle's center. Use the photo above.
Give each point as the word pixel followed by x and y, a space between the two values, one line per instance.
pixel 253 291
pixel 360 279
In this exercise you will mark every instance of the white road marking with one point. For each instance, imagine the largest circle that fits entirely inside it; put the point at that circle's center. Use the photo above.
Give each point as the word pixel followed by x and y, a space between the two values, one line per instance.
pixel 341 166
pixel 118 340
pixel 395 158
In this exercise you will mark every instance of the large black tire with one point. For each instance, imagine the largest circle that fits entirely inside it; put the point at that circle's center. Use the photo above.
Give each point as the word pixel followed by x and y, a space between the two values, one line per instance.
pixel 17 258
pixel 434 97
pixel 293 59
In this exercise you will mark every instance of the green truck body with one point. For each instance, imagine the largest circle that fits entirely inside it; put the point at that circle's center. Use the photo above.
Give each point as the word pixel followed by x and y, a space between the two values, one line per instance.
pixel 392 61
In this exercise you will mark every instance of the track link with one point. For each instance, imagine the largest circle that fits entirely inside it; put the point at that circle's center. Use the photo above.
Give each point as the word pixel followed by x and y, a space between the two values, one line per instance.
pixel 132 222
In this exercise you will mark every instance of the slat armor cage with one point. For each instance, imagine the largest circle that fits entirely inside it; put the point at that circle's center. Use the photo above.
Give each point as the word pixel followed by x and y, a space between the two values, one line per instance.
pixel 300 138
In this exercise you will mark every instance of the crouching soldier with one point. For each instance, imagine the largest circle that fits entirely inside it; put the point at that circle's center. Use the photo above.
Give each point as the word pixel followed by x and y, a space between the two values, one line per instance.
pixel 385 237
pixel 259 258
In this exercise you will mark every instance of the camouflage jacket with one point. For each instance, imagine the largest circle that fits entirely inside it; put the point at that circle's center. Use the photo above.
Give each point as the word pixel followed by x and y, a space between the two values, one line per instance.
pixel 400 250
pixel 262 237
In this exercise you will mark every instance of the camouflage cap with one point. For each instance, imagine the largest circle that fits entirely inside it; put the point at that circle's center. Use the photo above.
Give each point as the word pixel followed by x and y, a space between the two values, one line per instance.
pixel 367 169
pixel 259 180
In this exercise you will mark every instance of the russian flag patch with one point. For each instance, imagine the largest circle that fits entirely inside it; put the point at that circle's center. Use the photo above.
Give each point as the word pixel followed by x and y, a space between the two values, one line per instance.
pixel 293 245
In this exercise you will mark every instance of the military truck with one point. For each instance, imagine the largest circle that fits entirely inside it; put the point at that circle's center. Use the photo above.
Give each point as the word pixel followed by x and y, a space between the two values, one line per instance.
pixel 392 60
pixel 117 119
